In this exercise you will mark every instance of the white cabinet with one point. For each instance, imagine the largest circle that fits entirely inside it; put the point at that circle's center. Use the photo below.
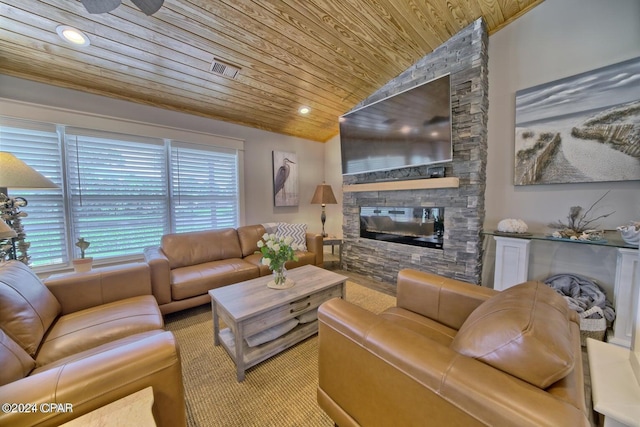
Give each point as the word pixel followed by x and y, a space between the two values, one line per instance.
pixel 512 267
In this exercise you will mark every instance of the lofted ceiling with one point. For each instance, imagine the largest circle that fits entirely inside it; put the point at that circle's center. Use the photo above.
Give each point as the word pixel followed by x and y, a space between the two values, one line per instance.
pixel 325 54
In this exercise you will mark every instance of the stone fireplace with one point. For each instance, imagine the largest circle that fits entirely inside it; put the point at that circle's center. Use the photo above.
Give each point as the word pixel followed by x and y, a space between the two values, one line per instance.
pixel 464 57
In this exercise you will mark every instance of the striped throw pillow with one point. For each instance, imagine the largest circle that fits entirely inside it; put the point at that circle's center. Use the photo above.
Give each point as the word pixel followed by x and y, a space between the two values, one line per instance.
pixel 297 231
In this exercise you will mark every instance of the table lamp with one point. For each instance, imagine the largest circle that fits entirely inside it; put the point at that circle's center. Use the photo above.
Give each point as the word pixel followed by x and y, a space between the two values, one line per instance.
pixel 16 174
pixel 323 196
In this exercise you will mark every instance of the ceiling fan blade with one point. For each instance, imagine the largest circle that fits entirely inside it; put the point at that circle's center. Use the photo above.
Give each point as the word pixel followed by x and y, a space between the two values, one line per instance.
pixel 149 7
pixel 100 6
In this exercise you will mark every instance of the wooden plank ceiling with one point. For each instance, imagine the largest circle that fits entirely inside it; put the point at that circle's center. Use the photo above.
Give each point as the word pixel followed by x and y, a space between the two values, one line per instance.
pixel 325 54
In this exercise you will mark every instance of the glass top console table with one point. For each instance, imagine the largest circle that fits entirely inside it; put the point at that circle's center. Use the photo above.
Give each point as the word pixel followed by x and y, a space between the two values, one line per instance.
pixel 610 238
pixel 512 267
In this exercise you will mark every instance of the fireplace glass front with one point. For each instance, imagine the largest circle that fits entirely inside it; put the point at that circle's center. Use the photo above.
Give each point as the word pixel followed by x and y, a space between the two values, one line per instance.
pixel 417 226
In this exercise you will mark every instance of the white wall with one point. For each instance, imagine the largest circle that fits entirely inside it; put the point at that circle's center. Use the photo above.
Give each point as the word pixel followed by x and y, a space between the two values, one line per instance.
pixel 558 38
pixel 258 196
pixel 333 176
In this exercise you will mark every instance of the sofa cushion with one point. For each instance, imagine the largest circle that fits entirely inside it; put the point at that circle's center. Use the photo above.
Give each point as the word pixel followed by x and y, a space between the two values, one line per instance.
pixel 184 249
pixel 524 331
pixel 27 307
pixel 95 326
pixel 97 350
pixel 187 282
pixel 249 236
pixel 297 231
pixel 15 362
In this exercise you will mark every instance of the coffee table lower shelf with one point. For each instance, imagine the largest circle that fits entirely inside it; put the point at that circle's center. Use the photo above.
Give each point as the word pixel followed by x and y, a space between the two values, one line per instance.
pixel 251 356
pixel 253 313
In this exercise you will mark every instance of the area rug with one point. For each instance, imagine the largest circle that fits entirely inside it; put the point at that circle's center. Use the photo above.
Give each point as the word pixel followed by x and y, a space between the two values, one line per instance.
pixel 278 392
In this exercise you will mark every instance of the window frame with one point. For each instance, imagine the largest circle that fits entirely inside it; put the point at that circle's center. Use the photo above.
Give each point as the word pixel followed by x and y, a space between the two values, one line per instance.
pixel 67 120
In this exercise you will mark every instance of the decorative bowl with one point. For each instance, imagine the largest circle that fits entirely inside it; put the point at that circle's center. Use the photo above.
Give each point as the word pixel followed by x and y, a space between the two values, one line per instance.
pixel 630 233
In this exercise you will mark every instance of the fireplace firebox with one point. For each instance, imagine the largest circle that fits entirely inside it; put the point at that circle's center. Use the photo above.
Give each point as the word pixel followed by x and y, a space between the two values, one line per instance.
pixel 417 226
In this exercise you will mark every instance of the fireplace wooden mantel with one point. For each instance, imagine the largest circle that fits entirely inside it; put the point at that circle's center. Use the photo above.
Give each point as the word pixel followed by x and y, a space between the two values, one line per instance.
pixel 395 185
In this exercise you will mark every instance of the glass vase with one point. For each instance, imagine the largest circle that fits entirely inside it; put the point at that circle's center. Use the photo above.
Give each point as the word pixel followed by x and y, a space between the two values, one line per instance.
pixel 280 276
pixel 280 279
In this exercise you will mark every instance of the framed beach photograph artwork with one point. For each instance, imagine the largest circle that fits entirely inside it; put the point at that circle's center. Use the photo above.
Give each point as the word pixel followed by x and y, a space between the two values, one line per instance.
pixel 583 128
pixel 285 179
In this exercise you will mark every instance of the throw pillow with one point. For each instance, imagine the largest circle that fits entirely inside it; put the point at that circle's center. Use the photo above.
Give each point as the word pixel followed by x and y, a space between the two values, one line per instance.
pixel 524 331
pixel 27 306
pixel 297 231
pixel 270 227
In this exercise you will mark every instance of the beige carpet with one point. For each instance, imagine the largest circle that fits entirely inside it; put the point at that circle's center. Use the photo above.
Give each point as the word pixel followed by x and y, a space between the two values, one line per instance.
pixel 280 391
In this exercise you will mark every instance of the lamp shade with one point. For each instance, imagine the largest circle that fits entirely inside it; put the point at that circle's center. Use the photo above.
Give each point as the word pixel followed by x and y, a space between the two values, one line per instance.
pixel 6 232
pixel 14 173
pixel 323 195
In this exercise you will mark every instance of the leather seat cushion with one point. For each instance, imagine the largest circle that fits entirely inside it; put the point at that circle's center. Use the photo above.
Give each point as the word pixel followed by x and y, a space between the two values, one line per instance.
pixel 422 325
pixel 187 282
pixel 304 258
pixel 256 259
pixel 524 330
pixel 15 362
pixel 97 350
pixel 95 326
pixel 27 307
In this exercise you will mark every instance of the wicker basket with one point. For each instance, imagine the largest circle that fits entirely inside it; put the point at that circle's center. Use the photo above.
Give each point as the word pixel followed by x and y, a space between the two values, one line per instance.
pixel 592 328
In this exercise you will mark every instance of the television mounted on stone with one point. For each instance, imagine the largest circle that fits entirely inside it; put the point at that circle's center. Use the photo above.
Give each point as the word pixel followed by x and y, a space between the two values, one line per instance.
pixel 410 128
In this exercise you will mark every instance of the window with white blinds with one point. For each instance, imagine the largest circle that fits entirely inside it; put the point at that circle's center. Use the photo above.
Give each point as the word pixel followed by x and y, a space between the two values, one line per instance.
pixel 204 188
pixel 119 192
pixel 38 145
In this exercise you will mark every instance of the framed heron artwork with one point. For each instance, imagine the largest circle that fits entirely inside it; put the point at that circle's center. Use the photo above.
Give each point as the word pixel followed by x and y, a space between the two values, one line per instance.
pixel 285 179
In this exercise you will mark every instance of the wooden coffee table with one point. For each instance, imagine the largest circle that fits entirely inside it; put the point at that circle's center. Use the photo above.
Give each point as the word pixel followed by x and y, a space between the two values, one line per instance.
pixel 250 307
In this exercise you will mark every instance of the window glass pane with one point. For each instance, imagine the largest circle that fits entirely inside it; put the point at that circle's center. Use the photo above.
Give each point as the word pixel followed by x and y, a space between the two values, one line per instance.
pixel 117 194
pixel 38 146
pixel 204 188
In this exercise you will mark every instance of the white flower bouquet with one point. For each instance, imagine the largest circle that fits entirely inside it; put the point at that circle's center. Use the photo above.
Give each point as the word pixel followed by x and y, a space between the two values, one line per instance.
pixel 276 251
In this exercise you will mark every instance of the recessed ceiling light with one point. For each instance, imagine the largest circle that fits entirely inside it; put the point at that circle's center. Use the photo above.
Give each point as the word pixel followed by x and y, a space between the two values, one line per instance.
pixel 304 110
pixel 72 35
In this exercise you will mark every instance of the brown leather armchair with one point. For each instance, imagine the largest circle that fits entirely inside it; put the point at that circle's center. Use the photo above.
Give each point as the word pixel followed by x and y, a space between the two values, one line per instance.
pixel 453 354
pixel 82 342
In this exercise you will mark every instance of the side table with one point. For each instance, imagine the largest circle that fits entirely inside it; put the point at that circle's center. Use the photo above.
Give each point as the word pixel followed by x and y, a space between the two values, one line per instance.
pixel 333 242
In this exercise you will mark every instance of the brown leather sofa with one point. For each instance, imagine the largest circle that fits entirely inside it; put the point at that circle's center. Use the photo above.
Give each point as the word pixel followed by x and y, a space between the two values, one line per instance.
pixel 453 354
pixel 83 341
pixel 187 265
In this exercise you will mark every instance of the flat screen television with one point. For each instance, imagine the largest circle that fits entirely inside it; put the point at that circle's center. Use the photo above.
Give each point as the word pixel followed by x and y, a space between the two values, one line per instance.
pixel 410 128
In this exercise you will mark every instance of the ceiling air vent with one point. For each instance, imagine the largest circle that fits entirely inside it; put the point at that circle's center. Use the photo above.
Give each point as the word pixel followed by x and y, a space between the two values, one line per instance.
pixel 225 69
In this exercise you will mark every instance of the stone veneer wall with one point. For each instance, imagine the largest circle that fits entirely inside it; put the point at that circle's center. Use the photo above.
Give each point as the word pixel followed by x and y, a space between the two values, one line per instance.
pixel 465 58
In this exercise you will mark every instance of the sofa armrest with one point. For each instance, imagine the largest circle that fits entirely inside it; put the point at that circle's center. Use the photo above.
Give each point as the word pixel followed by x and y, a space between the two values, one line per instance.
pixel 376 372
pixel 92 382
pixel 316 245
pixel 102 285
pixel 444 300
pixel 160 274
